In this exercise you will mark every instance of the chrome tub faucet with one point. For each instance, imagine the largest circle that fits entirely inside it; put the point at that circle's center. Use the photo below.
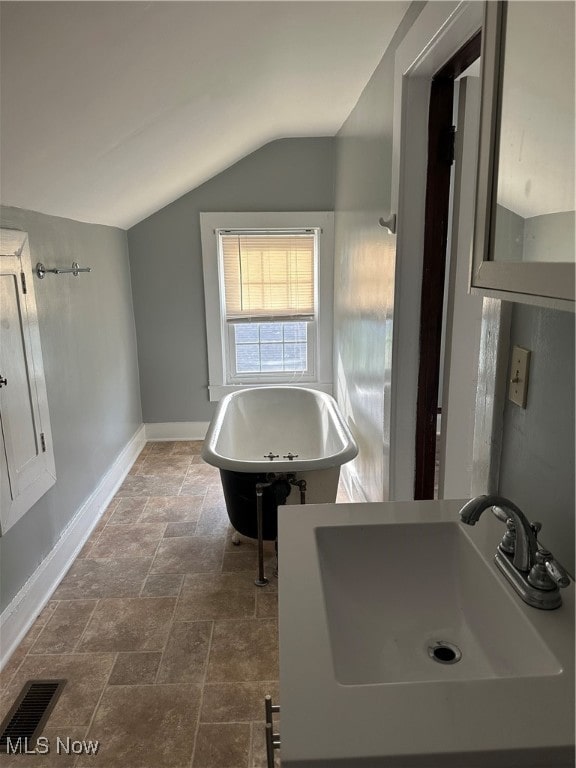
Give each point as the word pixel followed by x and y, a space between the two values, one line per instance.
pixel 531 570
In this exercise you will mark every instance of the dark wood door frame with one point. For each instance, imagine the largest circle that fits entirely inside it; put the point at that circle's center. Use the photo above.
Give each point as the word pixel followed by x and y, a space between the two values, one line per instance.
pixel 440 159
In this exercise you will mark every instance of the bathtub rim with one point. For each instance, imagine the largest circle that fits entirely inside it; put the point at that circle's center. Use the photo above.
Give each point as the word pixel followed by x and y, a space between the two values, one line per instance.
pixel 214 458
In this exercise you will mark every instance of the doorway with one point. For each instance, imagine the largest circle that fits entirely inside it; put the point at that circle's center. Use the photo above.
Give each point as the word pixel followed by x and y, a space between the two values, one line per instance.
pixel 470 376
pixel 447 104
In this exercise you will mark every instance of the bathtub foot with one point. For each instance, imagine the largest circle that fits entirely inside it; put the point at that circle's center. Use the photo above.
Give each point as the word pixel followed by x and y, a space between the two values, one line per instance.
pixel 236 539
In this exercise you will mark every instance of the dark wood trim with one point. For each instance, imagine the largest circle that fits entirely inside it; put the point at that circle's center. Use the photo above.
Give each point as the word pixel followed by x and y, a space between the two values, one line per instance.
pixel 440 137
pixel 432 294
pixel 466 56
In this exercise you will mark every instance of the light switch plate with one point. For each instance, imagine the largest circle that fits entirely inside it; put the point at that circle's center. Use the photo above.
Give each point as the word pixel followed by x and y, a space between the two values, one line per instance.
pixel 519 370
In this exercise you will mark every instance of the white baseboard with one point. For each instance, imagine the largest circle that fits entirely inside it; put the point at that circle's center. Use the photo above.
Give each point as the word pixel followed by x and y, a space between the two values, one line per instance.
pixel 177 430
pixel 20 614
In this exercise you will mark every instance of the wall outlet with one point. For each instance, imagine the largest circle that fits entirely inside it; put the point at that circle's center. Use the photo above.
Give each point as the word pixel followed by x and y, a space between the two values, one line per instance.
pixel 519 370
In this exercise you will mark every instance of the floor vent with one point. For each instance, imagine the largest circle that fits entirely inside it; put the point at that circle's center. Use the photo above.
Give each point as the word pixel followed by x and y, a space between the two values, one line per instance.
pixel 23 724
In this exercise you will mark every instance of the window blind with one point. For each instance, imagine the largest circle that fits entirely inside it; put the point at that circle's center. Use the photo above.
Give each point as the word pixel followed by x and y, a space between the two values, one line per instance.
pixel 268 276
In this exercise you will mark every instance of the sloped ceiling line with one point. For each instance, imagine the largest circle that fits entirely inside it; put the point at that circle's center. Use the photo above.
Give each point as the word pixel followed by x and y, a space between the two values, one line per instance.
pixel 111 110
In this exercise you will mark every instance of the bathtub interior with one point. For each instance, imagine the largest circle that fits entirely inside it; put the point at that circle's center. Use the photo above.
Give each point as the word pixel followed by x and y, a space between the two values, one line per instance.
pixel 280 420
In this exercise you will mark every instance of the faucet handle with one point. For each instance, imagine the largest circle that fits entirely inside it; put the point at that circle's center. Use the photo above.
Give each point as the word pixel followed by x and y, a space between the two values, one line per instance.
pixel 508 543
pixel 553 567
pixel 536 527
pixel 547 573
pixel 539 576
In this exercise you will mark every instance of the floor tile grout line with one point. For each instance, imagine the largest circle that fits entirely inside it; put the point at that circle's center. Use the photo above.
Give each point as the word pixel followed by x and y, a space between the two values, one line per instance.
pixel 181 485
pixel 223 553
pixel 122 597
pixel 119 555
pixel 186 477
pixel 77 757
pixel 232 722
pixel 39 633
pixel 130 522
pixel 148 685
pixel 171 627
pixel 239 619
pixel 13 675
pixel 74 650
pixel 105 686
pixel 203 685
pixel 79 641
pixel 35 656
pixel 144 508
pixel 98 533
pixel 148 572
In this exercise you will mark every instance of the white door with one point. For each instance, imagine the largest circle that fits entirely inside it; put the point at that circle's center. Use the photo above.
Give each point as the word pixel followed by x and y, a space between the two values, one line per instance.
pixel 27 460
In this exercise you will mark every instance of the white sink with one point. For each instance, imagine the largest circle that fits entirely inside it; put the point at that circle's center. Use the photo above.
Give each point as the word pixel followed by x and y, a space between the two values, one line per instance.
pixel 365 591
pixel 396 593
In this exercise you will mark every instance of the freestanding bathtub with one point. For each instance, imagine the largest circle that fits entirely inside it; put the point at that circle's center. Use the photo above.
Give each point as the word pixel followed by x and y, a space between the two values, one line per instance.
pixel 282 435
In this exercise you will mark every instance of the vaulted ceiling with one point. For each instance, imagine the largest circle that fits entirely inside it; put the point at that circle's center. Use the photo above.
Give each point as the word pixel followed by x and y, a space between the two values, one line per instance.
pixel 111 110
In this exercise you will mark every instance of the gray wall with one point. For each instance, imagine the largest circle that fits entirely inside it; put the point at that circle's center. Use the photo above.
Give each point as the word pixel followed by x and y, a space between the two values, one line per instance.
pixel 89 351
pixel 508 235
pixel 365 263
pixel 550 237
pixel 166 267
pixel 537 467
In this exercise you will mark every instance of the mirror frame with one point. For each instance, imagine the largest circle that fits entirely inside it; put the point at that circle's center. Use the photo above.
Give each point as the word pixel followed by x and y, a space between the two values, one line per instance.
pixel 547 283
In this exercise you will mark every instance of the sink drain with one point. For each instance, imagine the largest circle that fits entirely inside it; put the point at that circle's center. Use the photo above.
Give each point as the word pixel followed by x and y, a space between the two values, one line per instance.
pixel 444 652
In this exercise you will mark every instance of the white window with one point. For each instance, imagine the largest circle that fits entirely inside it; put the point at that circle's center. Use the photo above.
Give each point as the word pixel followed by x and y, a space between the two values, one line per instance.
pixel 268 289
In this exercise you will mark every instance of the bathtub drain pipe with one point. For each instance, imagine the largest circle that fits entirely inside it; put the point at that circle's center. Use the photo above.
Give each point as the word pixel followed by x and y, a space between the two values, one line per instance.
pixel 261 581
pixel 300 484
pixel 280 485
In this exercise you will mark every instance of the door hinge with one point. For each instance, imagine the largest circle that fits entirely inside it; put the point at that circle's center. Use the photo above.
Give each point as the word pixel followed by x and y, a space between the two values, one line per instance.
pixel 23 280
pixel 43 441
pixel 451 144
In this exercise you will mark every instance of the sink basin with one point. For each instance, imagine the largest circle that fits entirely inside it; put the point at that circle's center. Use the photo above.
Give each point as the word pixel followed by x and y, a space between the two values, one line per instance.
pixel 396 593
pixel 374 599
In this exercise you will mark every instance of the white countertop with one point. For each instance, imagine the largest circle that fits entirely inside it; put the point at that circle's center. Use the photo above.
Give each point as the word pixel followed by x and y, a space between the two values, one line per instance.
pixel 457 723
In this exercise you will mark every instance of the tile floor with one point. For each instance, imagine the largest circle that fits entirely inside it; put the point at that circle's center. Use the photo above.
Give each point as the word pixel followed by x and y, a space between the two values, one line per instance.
pixel 167 645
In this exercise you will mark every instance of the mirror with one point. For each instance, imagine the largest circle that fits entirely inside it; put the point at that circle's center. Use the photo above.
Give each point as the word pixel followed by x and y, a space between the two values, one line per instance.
pixel 524 231
pixel 534 218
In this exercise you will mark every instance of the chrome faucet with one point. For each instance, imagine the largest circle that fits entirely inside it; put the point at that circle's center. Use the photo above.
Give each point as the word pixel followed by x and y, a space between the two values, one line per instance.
pixel 526 546
pixel 532 571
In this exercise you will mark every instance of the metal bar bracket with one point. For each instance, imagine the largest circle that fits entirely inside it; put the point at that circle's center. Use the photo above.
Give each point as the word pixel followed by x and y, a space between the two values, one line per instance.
pixel 75 270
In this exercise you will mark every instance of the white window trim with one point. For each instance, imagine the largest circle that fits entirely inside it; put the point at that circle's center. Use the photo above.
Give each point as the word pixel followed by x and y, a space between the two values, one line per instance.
pixel 209 224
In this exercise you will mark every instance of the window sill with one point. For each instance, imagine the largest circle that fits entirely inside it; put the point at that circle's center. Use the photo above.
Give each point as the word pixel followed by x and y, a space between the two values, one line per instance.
pixel 217 391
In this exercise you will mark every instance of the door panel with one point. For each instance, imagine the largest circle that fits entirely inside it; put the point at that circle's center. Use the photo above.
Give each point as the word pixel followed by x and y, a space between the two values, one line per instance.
pixel 17 404
pixel 27 460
